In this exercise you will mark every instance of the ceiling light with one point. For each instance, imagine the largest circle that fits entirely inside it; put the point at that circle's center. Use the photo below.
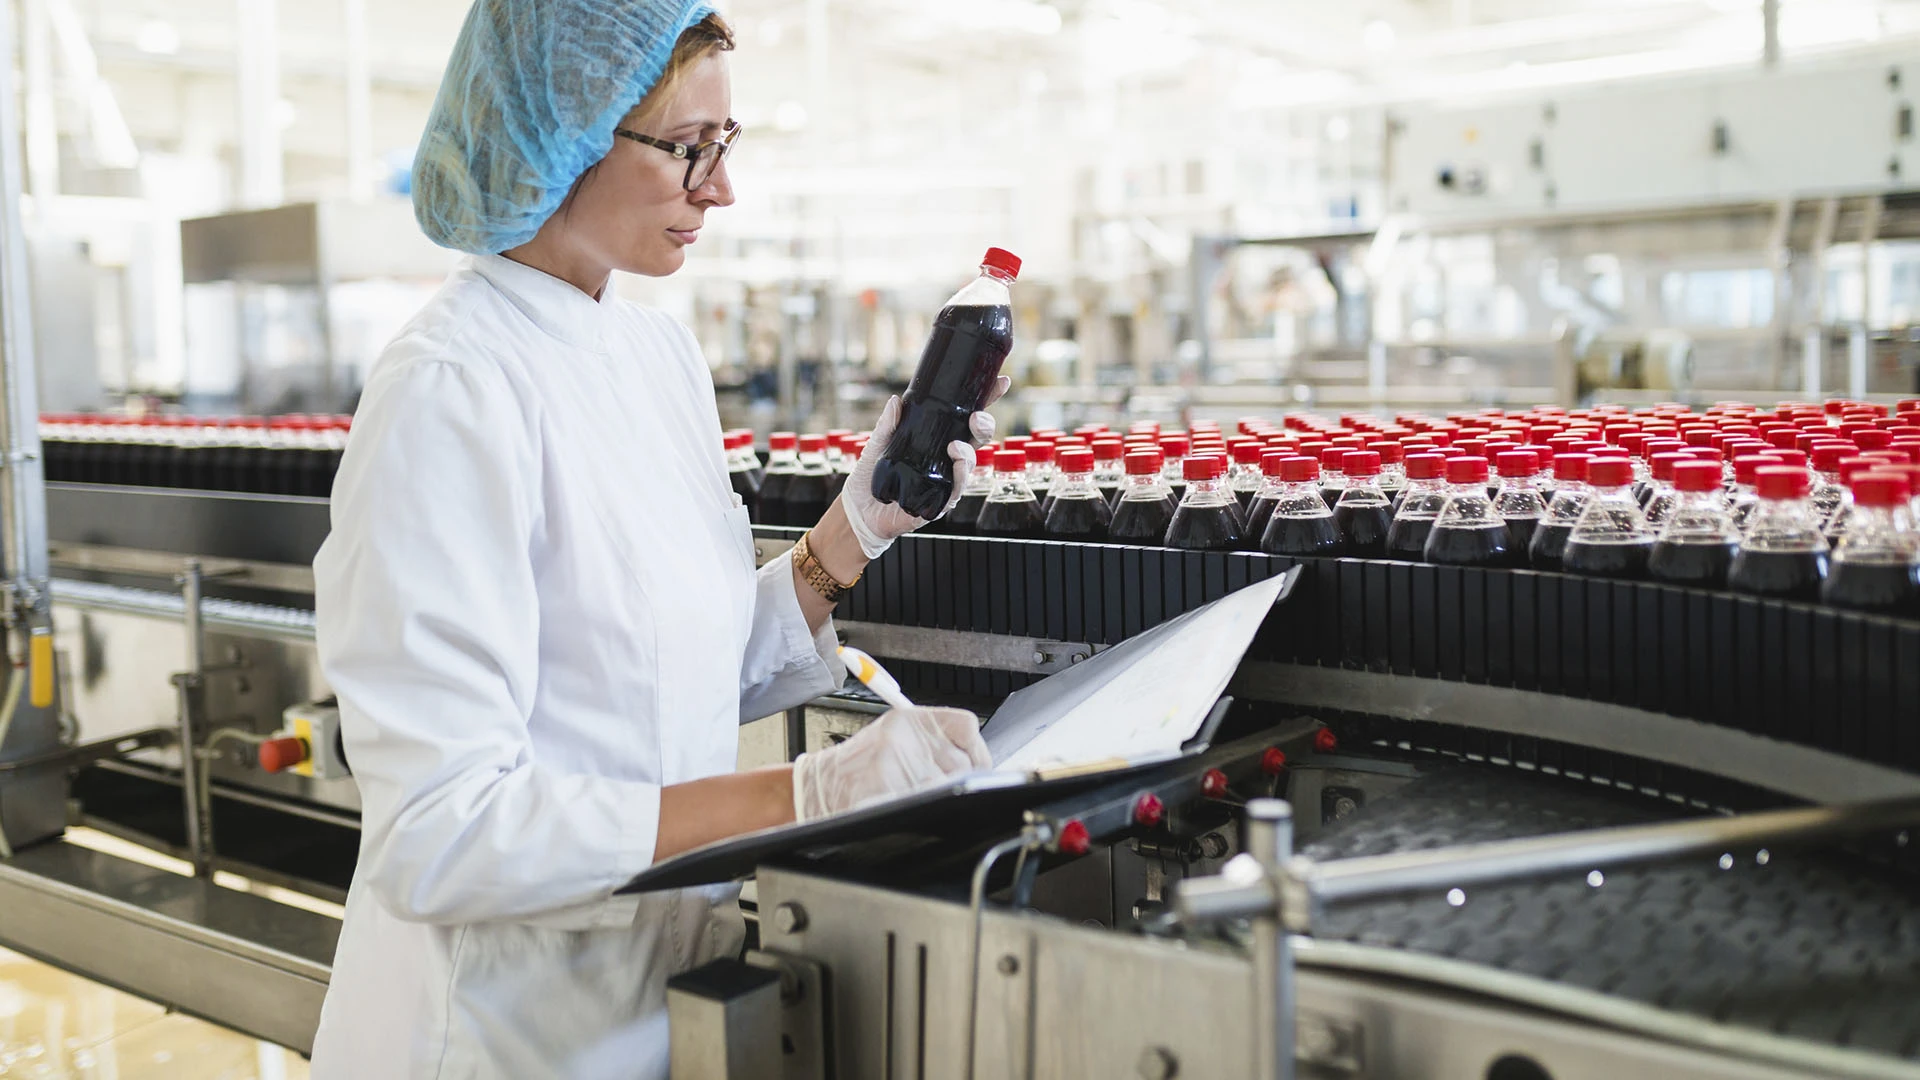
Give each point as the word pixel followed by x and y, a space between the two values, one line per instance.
pixel 1378 36
pixel 157 37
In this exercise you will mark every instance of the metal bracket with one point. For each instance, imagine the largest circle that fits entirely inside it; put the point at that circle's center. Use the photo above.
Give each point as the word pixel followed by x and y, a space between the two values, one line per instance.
pixel 966 648
pixel 73 757
pixel 803 1013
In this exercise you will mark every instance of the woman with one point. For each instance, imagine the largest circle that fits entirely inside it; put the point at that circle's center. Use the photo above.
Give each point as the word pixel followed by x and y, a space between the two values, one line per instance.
pixel 538 605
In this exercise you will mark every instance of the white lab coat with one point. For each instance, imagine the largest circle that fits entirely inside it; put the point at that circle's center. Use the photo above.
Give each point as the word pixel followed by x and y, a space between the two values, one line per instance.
pixel 537 606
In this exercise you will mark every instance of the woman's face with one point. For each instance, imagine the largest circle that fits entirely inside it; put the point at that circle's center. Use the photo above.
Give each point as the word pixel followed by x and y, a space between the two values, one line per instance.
pixel 631 212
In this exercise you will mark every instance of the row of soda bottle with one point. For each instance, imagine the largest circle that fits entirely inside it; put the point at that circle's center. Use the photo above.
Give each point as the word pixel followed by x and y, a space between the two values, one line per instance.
pixel 280 455
pixel 1799 501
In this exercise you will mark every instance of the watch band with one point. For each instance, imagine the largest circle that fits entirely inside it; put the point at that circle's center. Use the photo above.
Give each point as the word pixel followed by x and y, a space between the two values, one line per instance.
pixel 816 576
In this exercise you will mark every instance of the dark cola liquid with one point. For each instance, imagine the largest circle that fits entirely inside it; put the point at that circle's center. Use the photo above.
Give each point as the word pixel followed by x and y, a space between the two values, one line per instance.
pixel 1330 493
pixel 1078 519
pixel 1626 561
pixel 1141 521
pixel 747 486
pixel 956 373
pixel 1302 536
pixel 1884 588
pixel 966 513
pixel 773 498
pixel 1520 532
pixel 1204 528
pixel 1548 546
pixel 1701 564
pixel 808 496
pixel 1407 539
pixel 1483 545
pixel 1259 512
pixel 1784 575
pixel 1365 529
pixel 1016 518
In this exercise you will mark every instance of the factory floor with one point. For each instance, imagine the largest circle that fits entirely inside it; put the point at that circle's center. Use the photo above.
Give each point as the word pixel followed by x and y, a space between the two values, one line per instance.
pixel 56 1026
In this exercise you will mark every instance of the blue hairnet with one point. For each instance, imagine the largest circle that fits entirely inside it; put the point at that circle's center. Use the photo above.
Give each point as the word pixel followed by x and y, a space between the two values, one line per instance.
pixel 532 94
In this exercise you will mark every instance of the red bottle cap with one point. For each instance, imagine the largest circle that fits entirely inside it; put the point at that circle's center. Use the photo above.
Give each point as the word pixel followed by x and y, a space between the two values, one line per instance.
pixel 1834 407
pixel 1746 467
pixel 1075 460
pixel 1854 466
pixel 1473 447
pixel 1203 467
pixel 1697 476
pixel 278 755
pixel 1299 470
pixel 1609 472
pixel 1828 456
pixel 1881 489
pixel 1039 451
pixel 1794 459
pixel 782 440
pixel 1783 482
pixel 1002 260
pixel 1426 466
pixel 1361 463
pixel 1142 462
pixel 1108 449
pixel 1663 465
pixel 1009 460
pixel 813 444
pixel 1148 810
pixel 1247 453
pixel 1467 470
pixel 1333 458
pixel 1517 463
pixel 1873 439
pixel 1391 453
pixel 1271 459
pixel 1175 446
pixel 1909 447
pixel 1571 467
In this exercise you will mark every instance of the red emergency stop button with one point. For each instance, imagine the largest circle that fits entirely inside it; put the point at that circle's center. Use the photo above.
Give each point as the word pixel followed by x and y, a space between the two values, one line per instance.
pixel 1274 761
pixel 1148 810
pixel 278 755
pixel 1074 839
pixel 1213 784
pixel 1326 741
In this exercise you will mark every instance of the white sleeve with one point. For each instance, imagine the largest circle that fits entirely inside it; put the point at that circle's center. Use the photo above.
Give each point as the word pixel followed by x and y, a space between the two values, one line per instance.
pixel 429 628
pixel 785 665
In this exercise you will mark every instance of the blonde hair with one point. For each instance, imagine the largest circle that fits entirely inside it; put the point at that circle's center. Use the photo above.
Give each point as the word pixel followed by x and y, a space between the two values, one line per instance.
pixel 697 42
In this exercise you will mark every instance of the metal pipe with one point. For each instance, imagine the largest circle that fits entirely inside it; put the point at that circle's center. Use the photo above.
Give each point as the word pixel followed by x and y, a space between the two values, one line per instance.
pixel 191 685
pixel 1269 826
pixel 25 504
pixel 1507 860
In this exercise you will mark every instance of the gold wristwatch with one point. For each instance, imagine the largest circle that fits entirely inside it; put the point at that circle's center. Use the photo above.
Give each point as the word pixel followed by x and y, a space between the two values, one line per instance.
pixel 816 576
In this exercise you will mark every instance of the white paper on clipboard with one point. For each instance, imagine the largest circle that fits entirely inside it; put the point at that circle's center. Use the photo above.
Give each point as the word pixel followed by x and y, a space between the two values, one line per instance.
pixel 1139 700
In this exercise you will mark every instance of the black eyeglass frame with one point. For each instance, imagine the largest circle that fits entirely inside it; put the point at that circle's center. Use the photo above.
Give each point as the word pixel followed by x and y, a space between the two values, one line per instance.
pixel 690 152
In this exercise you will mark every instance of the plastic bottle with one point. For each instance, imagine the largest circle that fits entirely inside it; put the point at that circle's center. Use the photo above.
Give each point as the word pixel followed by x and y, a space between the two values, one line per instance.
pixel 1109 467
pixel 1144 510
pixel 971 338
pixel 1079 511
pixel 1260 509
pixel 1697 544
pixel 1745 496
pixel 841 457
pixel 1519 502
pixel 1393 467
pixel 1040 470
pixel 1010 509
pixel 1612 538
pixel 743 470
pixel 1829 490
pixel 783 464
pixel 1419 507
pixel 1174 448
pixel 1783 554
pixel 1363 512
pixel 966 513
pixel 808 491
pixel 1874 568
pixel 1244 477
pixel 1208 517
pixel 1333 474
pixel 1300 523
pixel 1661 494
pixel 1468 532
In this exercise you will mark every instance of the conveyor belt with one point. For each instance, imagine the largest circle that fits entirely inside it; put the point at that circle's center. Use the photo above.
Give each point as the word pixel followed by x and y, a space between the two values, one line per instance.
pixel 1821 946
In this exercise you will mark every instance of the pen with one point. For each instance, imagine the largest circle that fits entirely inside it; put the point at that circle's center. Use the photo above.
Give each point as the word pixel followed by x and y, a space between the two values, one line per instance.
pixel 874 676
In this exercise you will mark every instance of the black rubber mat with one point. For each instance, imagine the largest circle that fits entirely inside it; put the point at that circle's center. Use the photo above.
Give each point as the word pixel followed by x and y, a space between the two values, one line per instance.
pixel 1818 945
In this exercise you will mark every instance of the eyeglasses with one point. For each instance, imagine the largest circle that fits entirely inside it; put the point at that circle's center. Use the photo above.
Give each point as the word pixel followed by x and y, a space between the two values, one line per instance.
pixel 701 158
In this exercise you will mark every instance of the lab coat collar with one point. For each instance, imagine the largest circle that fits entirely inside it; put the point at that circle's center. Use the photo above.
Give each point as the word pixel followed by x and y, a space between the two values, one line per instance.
pixel 553 305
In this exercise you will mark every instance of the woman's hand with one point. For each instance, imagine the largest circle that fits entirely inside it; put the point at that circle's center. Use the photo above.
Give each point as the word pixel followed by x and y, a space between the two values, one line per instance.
pixel 879 524
pixel 903 751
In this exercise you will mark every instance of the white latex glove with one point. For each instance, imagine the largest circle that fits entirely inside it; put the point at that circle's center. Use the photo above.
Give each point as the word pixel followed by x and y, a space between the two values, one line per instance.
pixel 879 524
pixel 904 750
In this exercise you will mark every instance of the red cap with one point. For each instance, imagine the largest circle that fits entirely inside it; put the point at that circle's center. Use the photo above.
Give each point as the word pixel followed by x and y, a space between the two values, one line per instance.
pixel 1697 476
pixel 1003 260
pixel 1271 458
pixel 1361 463
pixel 1873 439
pixel 278 755
pixel 1854 466
pixel 1010 459
pixel 1907 405
pixel 1144 462
pixel 1108 449
pixel 1828 456
pixel 1473 447
pixel 1204 467
pixel 1793 459
pixel 1297 470
pixel 1909 447
pixel 1778 482
pixel 782 440
pixel 1834 407
pixel 1881 489
pixel 1075 460
pixel 1746 467
pixel 1467 470
pixel 1571 467
pixel 1175 445
pixel 1247 453
pixel 813 444
pixel 1707 453
pixel 1609 472
pixel 1426 466
pixel 1517 463
pixel 1039 450
pixel 1663 465
pixel 1391 453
